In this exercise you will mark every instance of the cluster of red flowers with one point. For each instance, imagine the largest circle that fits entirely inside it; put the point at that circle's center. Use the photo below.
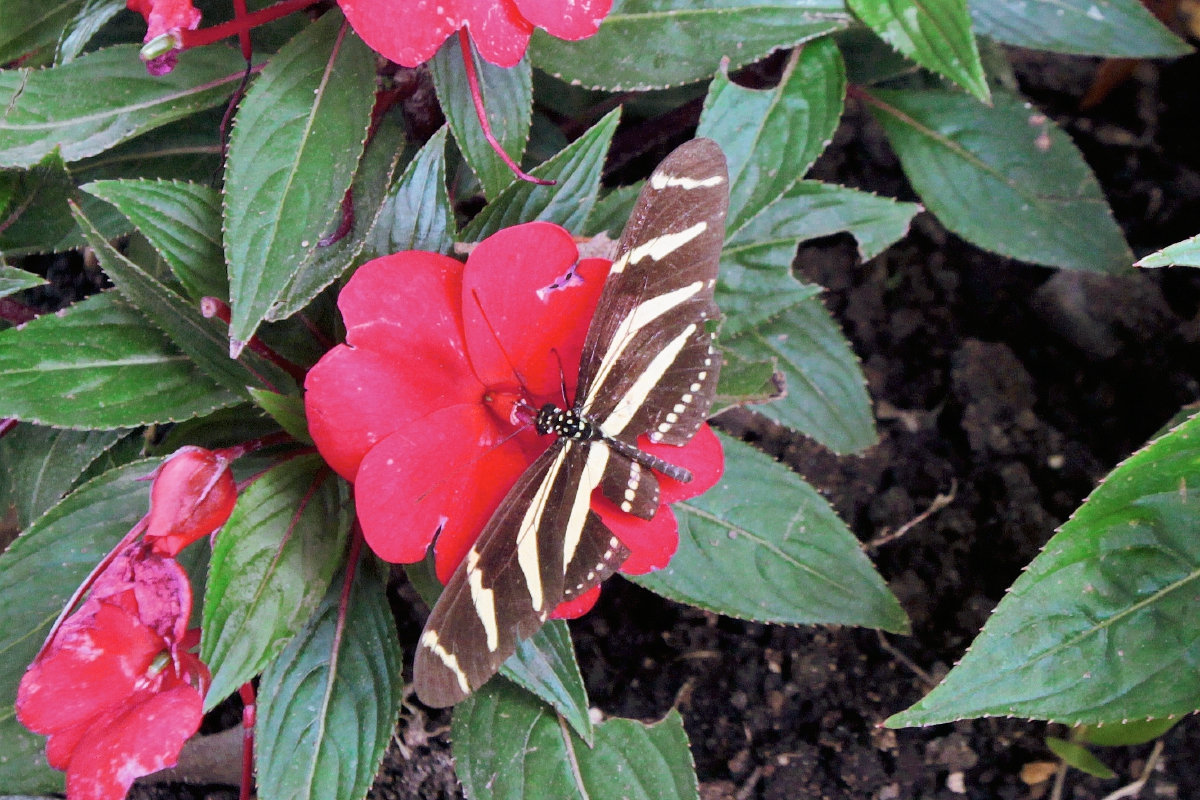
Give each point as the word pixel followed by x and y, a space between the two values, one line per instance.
pixel 418 408
pixel 115 687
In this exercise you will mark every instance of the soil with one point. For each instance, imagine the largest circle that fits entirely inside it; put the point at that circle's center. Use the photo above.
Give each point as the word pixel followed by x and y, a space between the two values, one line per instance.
pixel 1013 387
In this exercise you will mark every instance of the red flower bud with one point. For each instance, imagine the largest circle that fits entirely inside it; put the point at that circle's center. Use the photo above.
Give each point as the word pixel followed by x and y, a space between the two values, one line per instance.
pixel 193 494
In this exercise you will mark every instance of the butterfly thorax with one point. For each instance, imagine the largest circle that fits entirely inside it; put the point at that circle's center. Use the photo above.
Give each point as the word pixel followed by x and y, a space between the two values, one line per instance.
pixel 565 423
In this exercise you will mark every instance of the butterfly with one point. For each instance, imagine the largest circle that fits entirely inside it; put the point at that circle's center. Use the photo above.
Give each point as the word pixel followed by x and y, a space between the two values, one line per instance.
pixel 648 368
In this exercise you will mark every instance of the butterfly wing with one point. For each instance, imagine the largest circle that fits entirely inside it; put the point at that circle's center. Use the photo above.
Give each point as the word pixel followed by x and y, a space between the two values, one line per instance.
pixel 648 364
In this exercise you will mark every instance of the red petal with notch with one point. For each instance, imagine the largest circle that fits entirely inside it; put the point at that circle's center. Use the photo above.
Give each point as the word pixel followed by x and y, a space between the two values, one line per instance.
pixel 499 31
pixel 566 19
pixel 408 32
pixel 573 609
pixel 514 319
pixel 448 470
pixel 140 741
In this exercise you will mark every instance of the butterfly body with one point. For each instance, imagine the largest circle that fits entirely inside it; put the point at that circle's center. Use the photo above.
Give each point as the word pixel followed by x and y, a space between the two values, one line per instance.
pixel 648 369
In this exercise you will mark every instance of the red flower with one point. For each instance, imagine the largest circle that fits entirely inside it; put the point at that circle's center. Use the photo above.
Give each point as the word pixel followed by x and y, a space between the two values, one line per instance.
pixel 418 408
pixel 116 690
pixel 193 494
pixel 409 32
pixel 165 17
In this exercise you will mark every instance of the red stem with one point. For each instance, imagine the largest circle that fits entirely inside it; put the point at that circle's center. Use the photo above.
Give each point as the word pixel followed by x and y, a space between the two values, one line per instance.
pixel 216 33
pixel 15 313
pixel 464 41
pixel 216 307
pixel 7 425
pixel 239 14
pixel 249 718
pixel 356 541
pixel 245 448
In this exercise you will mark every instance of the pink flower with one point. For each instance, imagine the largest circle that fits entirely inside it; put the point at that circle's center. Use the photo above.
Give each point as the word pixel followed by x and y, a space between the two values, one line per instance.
pixel 165 17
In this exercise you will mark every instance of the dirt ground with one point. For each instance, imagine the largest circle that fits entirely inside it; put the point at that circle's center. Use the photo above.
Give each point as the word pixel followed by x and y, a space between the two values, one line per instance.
pixel 1016 386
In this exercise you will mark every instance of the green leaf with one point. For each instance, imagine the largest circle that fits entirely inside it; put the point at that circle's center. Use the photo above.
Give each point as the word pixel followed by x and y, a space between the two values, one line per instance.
pixel 868 60
pixel 1079 757
pixel 30 26
pixel 369 193
pixel 296 142
pixel 13 280
pixel 1183 254
pixel 755 284
pixel 416 213
pixel 287 410
pixel 182 221
pixel 680 41
pixel 543 664
pixel 1122 734
pixel 271 565
pixel 24 767
pixel 746 382
pixel 1005 178
pixel 63 107
pixel 507 741
pixel 934 33
pixel 188 149
pixel 577 170
pixel 612 210
pixel 826 391
pixel 772 137
pixel 764 545
pixel 100 365
pixel 83 26
pixel 1084 27
pixel 40 465
pixel 508 98
pixel 328 704
pixel 1102 625
pixel 812 209
pixel 202 340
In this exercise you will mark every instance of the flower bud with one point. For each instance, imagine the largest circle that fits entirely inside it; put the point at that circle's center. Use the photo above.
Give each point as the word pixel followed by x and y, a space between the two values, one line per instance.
pixel 193 494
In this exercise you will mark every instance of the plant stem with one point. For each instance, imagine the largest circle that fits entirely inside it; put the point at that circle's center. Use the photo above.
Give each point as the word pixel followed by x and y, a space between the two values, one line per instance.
pixel 249 718
pixel 236 27
pixel 216 307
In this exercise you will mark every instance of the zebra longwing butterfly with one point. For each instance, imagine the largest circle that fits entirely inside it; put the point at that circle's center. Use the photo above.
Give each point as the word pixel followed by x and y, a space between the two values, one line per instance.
pixel 648 368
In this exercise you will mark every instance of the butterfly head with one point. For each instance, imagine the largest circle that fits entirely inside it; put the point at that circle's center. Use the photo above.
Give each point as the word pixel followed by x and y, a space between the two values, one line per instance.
pixel 564 422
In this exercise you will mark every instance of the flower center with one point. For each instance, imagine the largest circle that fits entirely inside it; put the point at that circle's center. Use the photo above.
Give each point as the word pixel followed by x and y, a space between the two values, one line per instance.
pixel 510 406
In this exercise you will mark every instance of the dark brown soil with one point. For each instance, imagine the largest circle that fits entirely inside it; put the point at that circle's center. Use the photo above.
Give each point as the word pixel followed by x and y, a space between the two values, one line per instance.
pixel 1015 386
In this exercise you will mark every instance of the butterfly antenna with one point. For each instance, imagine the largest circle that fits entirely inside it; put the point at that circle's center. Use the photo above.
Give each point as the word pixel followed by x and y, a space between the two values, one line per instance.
pixel 562 377
pixel 499 344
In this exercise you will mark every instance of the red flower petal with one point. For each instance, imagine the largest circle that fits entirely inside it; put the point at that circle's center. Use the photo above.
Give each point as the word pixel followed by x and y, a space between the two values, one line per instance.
pixel 566 19
pixel 651 542
pixel 514 320
pixel 404 31
pixel 445 471
pixel 499 31
pixel 703 456
pixel 573 609
pixel 143 740
pixel 164 596
pixel 193 494
pixel 164 16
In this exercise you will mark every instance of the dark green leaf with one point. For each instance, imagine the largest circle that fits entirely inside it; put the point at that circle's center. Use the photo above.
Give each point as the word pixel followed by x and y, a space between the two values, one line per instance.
pixel 826 391
pixel 202 340
pixel 680 41
pixel 29 26
pixel 764 545
pixel 934 33
pixel 328 704
pixel 83 26
pixel 755 284
pixel 811 209
pixel 1085 27
pixel 23 767
pixel 66 543
pixel 103 98
pixel 1079 757
pixel 612 211
pixel 1121 734
pixel 271 565
pixel 188 149
pixel 1005 178
pixel 508 98
pixel 13 280
pixel 772 137
pixel 543 664
pixel 577 171
pixel 287 410
pixel 295 145
pixel 182 221
pixel 1102 625
pixel 506 742
pixel 416 213
pixel 224 428
pixel 100 365
pixel 369 193
pixel 40 465
pixel 747 382
pixel 868 60
pixel 1184 254
pixel 129 448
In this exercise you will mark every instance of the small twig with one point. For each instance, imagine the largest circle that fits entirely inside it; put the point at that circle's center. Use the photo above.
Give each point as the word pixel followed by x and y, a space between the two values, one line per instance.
pixel 1135 788
pixel 891 650
pixel 1060 779
pixel 939 502
pixel 249 718
pixel 751 782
